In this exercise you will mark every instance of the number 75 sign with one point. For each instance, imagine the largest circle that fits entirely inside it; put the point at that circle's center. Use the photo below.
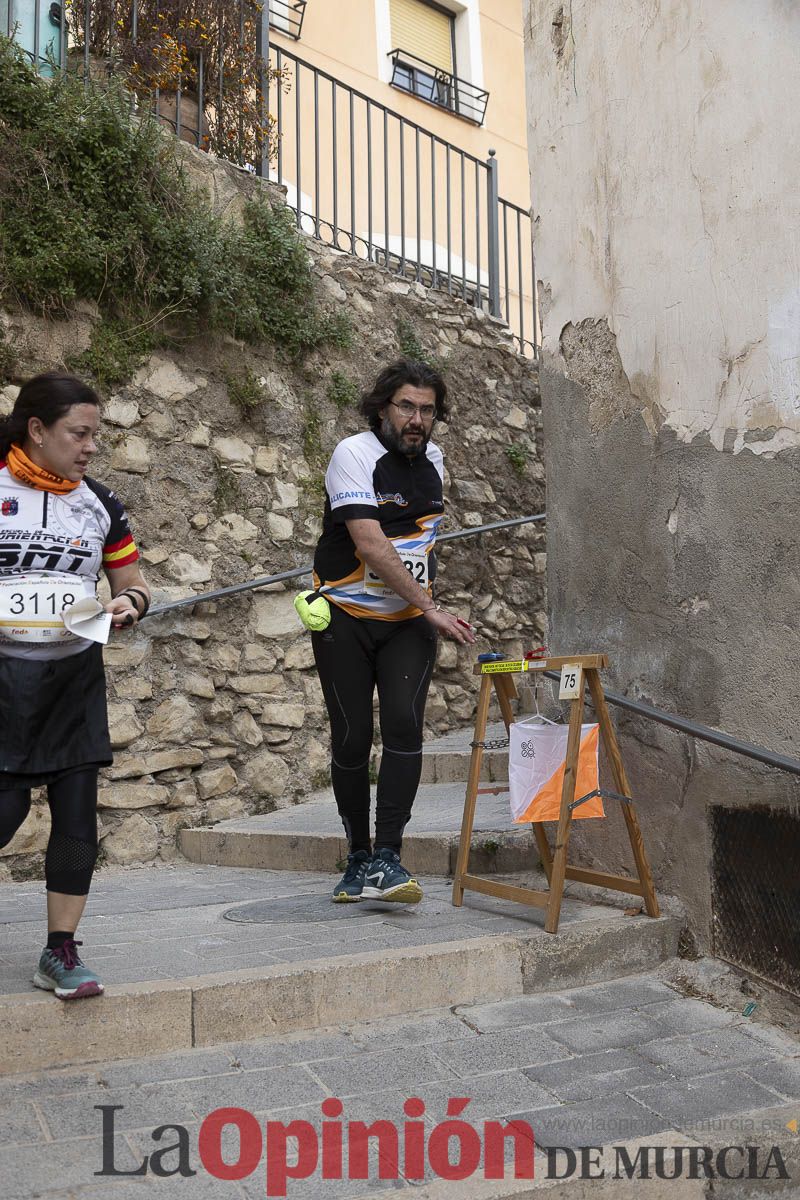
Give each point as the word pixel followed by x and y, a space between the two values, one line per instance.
pixel 571 682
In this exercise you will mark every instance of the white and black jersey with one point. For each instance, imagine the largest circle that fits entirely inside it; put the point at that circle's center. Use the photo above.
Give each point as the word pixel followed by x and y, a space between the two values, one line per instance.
pixel 365 479
pixel 74 534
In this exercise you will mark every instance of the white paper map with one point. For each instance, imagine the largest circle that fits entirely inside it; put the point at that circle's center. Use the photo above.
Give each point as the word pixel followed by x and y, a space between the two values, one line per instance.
pixel 88 619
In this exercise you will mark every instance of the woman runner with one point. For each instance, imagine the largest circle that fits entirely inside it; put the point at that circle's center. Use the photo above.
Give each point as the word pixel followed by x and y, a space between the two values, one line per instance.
pixel 57 528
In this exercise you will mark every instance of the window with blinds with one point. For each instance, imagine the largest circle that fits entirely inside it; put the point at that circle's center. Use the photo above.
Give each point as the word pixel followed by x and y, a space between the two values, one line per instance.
pixel 424 32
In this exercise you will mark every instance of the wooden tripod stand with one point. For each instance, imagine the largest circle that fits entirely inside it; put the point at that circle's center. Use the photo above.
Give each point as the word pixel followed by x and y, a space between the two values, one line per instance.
pixel 499 676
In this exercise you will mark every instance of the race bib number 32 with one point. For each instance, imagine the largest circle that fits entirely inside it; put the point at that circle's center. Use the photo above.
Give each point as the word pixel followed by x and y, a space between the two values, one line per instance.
pixel 414 561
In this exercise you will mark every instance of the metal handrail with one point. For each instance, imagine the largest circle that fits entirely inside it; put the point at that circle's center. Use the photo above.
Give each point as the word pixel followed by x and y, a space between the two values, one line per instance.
pixel 298 572
pixel 374 104
pixel 703 733
pixel 694 729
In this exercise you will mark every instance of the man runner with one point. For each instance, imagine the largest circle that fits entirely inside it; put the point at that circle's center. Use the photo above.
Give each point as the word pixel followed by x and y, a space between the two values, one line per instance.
pixel 376 564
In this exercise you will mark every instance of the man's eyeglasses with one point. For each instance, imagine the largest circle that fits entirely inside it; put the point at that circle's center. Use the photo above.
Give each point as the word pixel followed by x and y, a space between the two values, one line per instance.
pixel 407 409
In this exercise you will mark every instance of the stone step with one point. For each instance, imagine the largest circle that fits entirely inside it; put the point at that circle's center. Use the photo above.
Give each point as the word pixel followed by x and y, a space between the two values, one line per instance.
pixel 446 759
pixel 275 956
pixel 309 837
pixel 639 1046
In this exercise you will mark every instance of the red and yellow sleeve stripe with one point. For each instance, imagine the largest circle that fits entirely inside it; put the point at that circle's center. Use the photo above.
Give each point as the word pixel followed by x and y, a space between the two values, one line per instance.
pixel 120 554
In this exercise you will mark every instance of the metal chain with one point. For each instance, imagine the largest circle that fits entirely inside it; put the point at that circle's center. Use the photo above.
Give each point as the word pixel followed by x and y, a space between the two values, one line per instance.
pixel 492 744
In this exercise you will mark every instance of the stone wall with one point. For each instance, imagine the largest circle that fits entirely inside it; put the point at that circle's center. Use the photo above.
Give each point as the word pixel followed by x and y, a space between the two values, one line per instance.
pixel 215 709
pixel 661 143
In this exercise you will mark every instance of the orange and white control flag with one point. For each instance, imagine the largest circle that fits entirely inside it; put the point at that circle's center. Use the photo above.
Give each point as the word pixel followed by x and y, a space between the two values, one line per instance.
pixel 536 764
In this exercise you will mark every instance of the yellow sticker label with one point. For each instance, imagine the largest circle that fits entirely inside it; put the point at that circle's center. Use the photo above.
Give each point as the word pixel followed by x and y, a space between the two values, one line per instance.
pixel 503 667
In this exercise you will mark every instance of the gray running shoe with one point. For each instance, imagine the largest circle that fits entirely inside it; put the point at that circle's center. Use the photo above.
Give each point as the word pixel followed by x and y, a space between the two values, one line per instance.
pixel 61 971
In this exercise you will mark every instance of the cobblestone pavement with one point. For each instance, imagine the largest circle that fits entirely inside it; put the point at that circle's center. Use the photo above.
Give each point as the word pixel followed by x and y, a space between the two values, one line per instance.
pixel 628 1061
pixel 170 922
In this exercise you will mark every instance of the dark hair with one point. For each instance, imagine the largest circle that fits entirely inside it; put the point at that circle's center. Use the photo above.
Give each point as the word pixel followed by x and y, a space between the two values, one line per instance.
pixel 391 378
pixel 48 397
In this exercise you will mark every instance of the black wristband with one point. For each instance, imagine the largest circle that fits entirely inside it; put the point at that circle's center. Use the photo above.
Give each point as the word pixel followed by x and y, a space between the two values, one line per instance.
pixel 133 592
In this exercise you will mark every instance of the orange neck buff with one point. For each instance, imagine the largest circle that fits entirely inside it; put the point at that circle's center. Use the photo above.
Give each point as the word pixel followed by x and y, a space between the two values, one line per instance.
pixel 26 471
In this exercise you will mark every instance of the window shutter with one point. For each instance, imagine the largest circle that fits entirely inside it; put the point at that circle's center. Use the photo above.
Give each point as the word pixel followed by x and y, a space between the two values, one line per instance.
pixel 423 31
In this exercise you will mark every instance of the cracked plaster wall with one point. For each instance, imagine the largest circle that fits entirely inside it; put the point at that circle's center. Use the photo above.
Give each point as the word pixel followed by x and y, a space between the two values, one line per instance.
pixel 665 168
pixel 665 159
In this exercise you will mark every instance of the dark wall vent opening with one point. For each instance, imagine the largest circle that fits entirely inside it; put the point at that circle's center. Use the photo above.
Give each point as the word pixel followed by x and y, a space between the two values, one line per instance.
pixel 756 891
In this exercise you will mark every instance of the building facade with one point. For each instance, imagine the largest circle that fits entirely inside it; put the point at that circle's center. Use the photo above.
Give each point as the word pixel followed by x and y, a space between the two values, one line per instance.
pixel 663 141
pixel 387 117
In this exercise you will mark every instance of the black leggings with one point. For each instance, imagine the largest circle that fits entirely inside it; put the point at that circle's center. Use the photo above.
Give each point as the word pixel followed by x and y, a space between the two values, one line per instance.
pixel 352 656
pixel 72 848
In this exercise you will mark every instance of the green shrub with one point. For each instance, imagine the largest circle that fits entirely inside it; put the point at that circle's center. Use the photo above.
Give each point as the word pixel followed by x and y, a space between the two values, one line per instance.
pixel 245 391
pixel 114 353
pixel 8 359
pixel 312 434
pixel 342 391
pixel 312 488
pixel 94 205
pixel 412 347
pixel 336 330
pixel 227 492
pixel 518 456
pixel 312 485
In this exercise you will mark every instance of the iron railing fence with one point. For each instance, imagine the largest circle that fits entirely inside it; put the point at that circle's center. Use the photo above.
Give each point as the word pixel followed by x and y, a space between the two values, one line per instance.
pixel 372 183
pixel 203 75
pixel 359 175
pixel 44 28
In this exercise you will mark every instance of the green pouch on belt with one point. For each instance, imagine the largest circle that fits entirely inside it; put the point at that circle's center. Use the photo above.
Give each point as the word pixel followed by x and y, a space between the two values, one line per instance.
pixel 313 610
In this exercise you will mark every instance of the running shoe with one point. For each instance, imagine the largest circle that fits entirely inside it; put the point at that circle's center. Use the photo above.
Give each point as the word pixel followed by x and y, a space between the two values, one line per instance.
pixel 61 971
pixel 387 879
pixel 348 889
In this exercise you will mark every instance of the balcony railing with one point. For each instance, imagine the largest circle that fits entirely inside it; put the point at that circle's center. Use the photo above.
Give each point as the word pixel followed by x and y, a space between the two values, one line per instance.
pixel 427 82
pixel 372 183
pixel 287 16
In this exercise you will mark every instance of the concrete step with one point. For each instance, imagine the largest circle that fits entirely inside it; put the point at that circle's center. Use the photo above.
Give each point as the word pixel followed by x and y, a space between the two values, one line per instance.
pixel 310 837
pixel 446 759
pixel 197 956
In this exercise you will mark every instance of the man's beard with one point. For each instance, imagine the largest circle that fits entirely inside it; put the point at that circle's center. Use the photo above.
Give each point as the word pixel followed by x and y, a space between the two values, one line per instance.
pixel 398 441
